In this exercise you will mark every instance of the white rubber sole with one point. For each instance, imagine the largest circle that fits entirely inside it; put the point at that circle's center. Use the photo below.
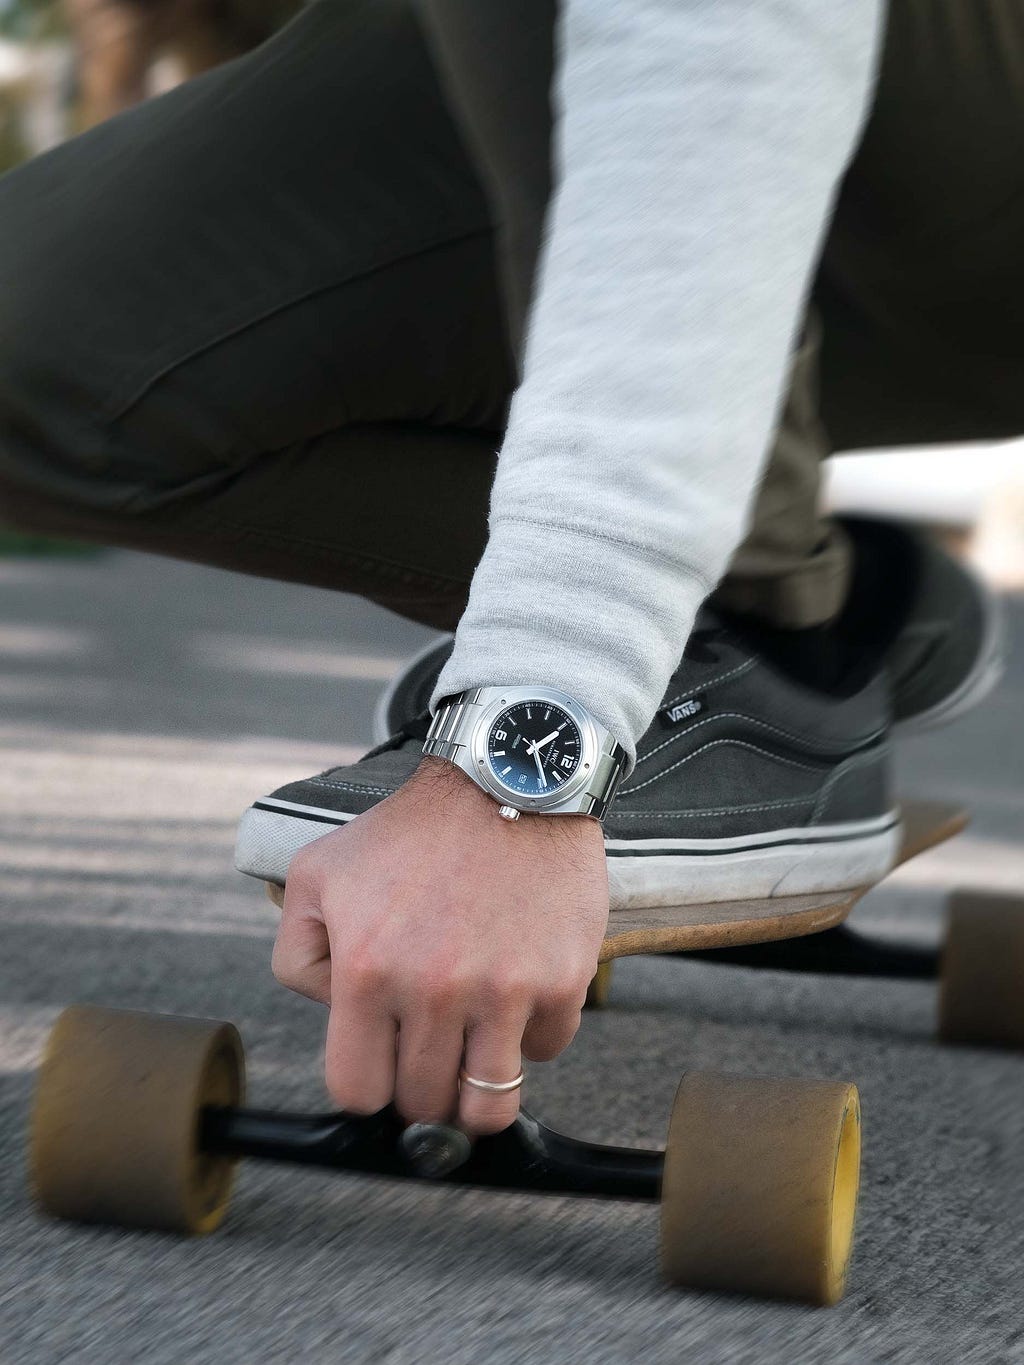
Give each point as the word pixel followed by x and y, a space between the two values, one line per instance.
pixel 271 832
pixel 642 873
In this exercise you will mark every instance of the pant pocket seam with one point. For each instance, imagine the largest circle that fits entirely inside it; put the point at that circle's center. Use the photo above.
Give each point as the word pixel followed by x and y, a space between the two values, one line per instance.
pixel 139 380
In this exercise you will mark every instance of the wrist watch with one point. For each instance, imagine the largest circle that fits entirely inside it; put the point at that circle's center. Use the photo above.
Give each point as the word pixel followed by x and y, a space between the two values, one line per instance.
pixel 531 748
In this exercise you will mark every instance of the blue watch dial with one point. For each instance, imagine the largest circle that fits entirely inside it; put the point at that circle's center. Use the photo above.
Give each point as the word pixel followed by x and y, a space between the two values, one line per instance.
pixel 534 747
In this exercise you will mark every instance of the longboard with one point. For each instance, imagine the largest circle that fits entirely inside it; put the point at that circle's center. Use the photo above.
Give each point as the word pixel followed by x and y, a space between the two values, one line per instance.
pixel 728 924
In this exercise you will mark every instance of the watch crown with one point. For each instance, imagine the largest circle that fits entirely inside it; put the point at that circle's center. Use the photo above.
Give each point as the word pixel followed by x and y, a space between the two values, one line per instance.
pixel 508 812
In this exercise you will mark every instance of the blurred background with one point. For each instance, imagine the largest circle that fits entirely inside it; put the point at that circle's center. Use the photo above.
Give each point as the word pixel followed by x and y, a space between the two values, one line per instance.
pixel 66 64
pixel 144 702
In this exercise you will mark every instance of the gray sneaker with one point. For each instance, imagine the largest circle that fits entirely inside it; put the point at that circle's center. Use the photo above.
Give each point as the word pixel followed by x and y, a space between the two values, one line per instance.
pixel 750 783
pixel 275 827
pixel 747 784
pixel 938 630
pixel 410 689
pixel 947 646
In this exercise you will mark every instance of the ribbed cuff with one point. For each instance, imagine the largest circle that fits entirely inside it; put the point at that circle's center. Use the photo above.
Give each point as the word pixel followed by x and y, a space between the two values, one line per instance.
pixel 598 618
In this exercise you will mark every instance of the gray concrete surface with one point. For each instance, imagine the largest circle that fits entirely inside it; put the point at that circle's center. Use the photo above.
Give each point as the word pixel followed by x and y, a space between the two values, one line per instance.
pixel 142 704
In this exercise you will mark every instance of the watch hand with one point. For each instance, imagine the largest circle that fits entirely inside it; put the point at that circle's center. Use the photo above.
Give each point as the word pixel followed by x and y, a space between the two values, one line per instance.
pixel 540 769
pixel 546 740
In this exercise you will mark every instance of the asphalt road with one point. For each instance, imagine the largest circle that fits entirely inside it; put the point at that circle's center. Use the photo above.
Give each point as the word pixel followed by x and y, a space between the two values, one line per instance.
pixel 143 703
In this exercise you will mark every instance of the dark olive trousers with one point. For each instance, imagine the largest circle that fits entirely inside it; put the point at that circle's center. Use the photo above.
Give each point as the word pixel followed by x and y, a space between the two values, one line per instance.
pixel 259 322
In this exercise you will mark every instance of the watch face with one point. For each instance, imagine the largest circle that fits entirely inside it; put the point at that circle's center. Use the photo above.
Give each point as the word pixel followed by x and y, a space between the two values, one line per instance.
pixel 534 747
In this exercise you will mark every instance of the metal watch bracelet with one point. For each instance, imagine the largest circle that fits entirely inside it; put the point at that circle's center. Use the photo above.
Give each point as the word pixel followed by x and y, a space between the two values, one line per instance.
pixel 455 723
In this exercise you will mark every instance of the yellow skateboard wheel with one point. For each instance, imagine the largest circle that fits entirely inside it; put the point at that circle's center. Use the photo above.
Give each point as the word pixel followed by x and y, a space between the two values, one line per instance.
pixel 760 1186
pixel 981 992
pixel 115 1127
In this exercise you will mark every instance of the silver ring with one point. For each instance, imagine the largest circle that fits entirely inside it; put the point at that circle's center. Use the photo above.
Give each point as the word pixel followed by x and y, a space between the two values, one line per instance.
pixel 494 1087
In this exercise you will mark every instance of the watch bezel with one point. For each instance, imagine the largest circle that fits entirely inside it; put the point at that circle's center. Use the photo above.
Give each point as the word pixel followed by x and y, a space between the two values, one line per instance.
pixel 572 787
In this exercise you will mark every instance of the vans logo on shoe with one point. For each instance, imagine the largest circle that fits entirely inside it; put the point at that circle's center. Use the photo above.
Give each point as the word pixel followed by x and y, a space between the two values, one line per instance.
pixel 684 710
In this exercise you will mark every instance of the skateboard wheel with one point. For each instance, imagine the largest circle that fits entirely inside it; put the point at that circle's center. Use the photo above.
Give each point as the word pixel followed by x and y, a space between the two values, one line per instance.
pixel 597 992
pixel 115 1126
pixel 981 992
pixel 760 1186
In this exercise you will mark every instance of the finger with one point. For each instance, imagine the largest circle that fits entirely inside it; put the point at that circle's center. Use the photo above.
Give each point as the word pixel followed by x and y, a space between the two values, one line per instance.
pixel 359 1065
pixel 427 1079
pixel 549 1032
pixel 362 1036
pixel 302 955
pixel 493 1053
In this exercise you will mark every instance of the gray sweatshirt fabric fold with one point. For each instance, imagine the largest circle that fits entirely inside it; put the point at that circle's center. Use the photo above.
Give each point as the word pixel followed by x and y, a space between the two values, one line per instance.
pixel 698 145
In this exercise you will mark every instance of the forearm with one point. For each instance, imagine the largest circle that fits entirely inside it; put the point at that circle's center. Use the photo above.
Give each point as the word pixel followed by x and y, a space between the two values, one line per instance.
pixel 700 145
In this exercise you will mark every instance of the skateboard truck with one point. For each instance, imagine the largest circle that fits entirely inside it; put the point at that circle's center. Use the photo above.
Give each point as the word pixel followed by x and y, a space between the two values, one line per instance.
pixel 139 1121
pixel 526 1156
pixel 434 1150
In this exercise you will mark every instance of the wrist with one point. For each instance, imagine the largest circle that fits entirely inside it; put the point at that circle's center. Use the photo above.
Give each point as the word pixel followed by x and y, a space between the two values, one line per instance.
pixel 439 780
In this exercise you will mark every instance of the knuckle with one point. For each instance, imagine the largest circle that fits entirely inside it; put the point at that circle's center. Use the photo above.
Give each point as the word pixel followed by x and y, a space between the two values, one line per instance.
pixel 448 983
pixel 563 997
pixel 507 991
pixel 364 974
pixel 438 988
pixel 302 868
pixel 284 968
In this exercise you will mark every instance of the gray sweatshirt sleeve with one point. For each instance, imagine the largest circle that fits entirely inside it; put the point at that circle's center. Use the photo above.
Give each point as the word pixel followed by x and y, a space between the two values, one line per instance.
pixel 699 144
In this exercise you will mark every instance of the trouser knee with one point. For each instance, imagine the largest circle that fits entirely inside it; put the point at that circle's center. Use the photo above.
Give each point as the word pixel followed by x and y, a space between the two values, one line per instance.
pixel 65 465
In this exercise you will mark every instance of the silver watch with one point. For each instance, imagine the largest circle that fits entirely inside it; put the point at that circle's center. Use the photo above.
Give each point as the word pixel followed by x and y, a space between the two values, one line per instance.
pixel 531 748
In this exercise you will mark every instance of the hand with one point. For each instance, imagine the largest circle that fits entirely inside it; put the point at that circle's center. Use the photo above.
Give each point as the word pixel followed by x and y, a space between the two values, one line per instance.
pixel 535 749
pixel 540 766
pixel 438 932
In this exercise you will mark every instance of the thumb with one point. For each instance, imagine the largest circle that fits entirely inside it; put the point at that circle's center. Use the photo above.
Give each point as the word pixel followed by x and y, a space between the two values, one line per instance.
pixel 302 952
